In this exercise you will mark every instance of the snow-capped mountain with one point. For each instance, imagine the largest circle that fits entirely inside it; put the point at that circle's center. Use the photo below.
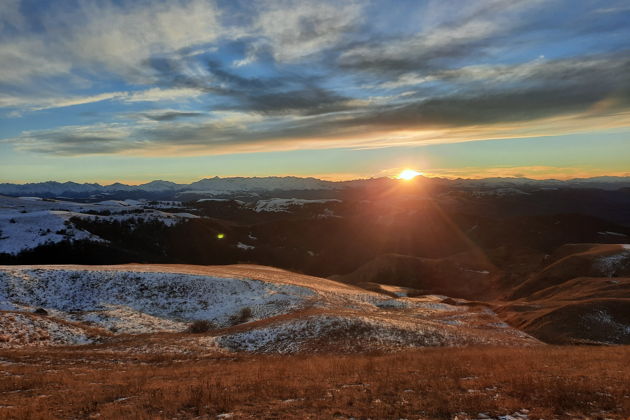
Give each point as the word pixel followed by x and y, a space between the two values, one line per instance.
pixel 261 183
pixel 52 188
pixel 217 185
pixel 207 185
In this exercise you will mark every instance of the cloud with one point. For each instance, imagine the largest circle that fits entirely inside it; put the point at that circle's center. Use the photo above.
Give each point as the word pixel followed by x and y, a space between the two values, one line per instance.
pixel 162 134
pixel 120 37
pixel 454 31
pixel 167 115
pixel 30 104
pixel 10 15
pixel 283 93
pixel 106 35
pixel 288 74
pixel 294 30
pixel 159 94
pixel 76 140
pixel 28 58
pixel 534 172
pixel 542 97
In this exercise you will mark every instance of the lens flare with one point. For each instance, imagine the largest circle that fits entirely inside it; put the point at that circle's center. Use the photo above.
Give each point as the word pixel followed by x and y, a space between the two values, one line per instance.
pixel 408 174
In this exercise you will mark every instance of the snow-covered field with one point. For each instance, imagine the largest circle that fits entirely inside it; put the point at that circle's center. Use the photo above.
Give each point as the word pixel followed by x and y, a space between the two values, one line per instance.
pixel 285 312
pixel 284 204
pixel 28 222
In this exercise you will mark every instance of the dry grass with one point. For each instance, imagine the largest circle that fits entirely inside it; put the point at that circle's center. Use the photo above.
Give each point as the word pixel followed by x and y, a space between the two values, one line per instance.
pixel 552 382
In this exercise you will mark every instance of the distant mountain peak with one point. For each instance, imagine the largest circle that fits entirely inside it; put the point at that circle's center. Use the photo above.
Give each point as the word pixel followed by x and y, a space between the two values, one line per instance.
pixel 221 185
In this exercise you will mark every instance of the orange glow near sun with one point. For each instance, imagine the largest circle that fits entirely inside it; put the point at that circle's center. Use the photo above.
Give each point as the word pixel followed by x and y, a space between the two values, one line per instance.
pixel 408 174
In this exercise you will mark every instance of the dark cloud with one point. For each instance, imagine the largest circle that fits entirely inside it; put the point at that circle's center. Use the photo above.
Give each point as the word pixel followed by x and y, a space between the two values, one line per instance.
pixel 518 94
pixel 170 115
pixel 63 143
pixel 513 94
pixel 492 28
pixel 282 93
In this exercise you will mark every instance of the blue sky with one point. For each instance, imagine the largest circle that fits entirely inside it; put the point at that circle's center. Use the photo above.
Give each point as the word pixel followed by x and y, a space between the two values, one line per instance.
pixel 183 89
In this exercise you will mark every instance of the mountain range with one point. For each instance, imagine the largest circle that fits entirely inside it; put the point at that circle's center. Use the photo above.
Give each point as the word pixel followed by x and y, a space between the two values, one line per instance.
pixel 219 185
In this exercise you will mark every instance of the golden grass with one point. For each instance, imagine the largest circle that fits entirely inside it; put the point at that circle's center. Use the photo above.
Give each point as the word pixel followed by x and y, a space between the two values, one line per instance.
pixel 551 382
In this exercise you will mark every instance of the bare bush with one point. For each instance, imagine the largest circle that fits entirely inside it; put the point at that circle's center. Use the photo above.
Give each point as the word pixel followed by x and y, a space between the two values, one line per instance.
pixel 243 316
pixel 40 311
pixel 200 326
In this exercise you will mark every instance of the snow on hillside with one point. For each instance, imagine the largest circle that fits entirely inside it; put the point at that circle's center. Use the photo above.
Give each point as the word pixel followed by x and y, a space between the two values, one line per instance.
pixel 283 204
pixel 221 200
pixel 611 265
pixel 356 332
pixel 260 183
pixel 20 231
pixel 169 296
pixel 499 192
pixel 26 329
pixel 28 222
pixel 286 312
pixel 602 318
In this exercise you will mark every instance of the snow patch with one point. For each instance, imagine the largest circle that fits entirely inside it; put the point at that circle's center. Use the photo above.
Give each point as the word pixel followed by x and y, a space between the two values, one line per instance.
pixel 611 264
pixel 283 204
pixel 18 330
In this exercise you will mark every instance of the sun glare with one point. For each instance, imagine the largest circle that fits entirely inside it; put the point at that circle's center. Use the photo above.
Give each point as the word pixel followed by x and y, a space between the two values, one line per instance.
pixel 408 174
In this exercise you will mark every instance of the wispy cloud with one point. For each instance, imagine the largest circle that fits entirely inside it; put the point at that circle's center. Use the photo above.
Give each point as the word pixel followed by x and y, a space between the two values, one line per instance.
pixel 534 172
pixel 294 30
pixel 98 36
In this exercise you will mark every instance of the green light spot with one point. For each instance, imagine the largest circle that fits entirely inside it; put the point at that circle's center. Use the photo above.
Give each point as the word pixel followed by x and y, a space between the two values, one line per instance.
pixel 220 236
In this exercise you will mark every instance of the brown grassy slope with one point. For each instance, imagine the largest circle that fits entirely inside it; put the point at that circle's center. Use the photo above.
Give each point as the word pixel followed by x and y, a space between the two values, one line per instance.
pixel 551 382
pixel 460 275
pixel 577 260
pixel 581 297
pixel 585 288
pixel 584 310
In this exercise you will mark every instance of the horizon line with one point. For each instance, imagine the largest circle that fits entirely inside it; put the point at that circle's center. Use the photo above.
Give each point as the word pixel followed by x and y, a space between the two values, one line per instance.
pixel 422 175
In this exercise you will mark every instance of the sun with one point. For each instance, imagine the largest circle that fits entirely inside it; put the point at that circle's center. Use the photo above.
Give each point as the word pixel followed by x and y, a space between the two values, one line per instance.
pixel 408 174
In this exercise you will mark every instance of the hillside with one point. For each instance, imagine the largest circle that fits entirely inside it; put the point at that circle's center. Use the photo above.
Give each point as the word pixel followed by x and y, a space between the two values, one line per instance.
pixel 581 297
pixel 462 275
pixel 29 222
pixel 579 260
pixel 250 308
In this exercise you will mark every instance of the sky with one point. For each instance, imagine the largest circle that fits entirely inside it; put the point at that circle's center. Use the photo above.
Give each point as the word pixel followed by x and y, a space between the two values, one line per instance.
pixel 137 90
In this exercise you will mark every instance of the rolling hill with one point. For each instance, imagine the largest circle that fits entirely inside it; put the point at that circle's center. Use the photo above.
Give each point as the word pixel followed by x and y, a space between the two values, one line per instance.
pixel 250 308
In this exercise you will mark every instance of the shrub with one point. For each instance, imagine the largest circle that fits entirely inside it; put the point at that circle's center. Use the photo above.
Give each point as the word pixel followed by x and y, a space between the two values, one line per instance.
pixel 200 326
pixel 243 316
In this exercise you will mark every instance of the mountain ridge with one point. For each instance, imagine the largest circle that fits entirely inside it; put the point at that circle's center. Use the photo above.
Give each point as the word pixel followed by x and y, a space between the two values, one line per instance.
pixel 271 183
